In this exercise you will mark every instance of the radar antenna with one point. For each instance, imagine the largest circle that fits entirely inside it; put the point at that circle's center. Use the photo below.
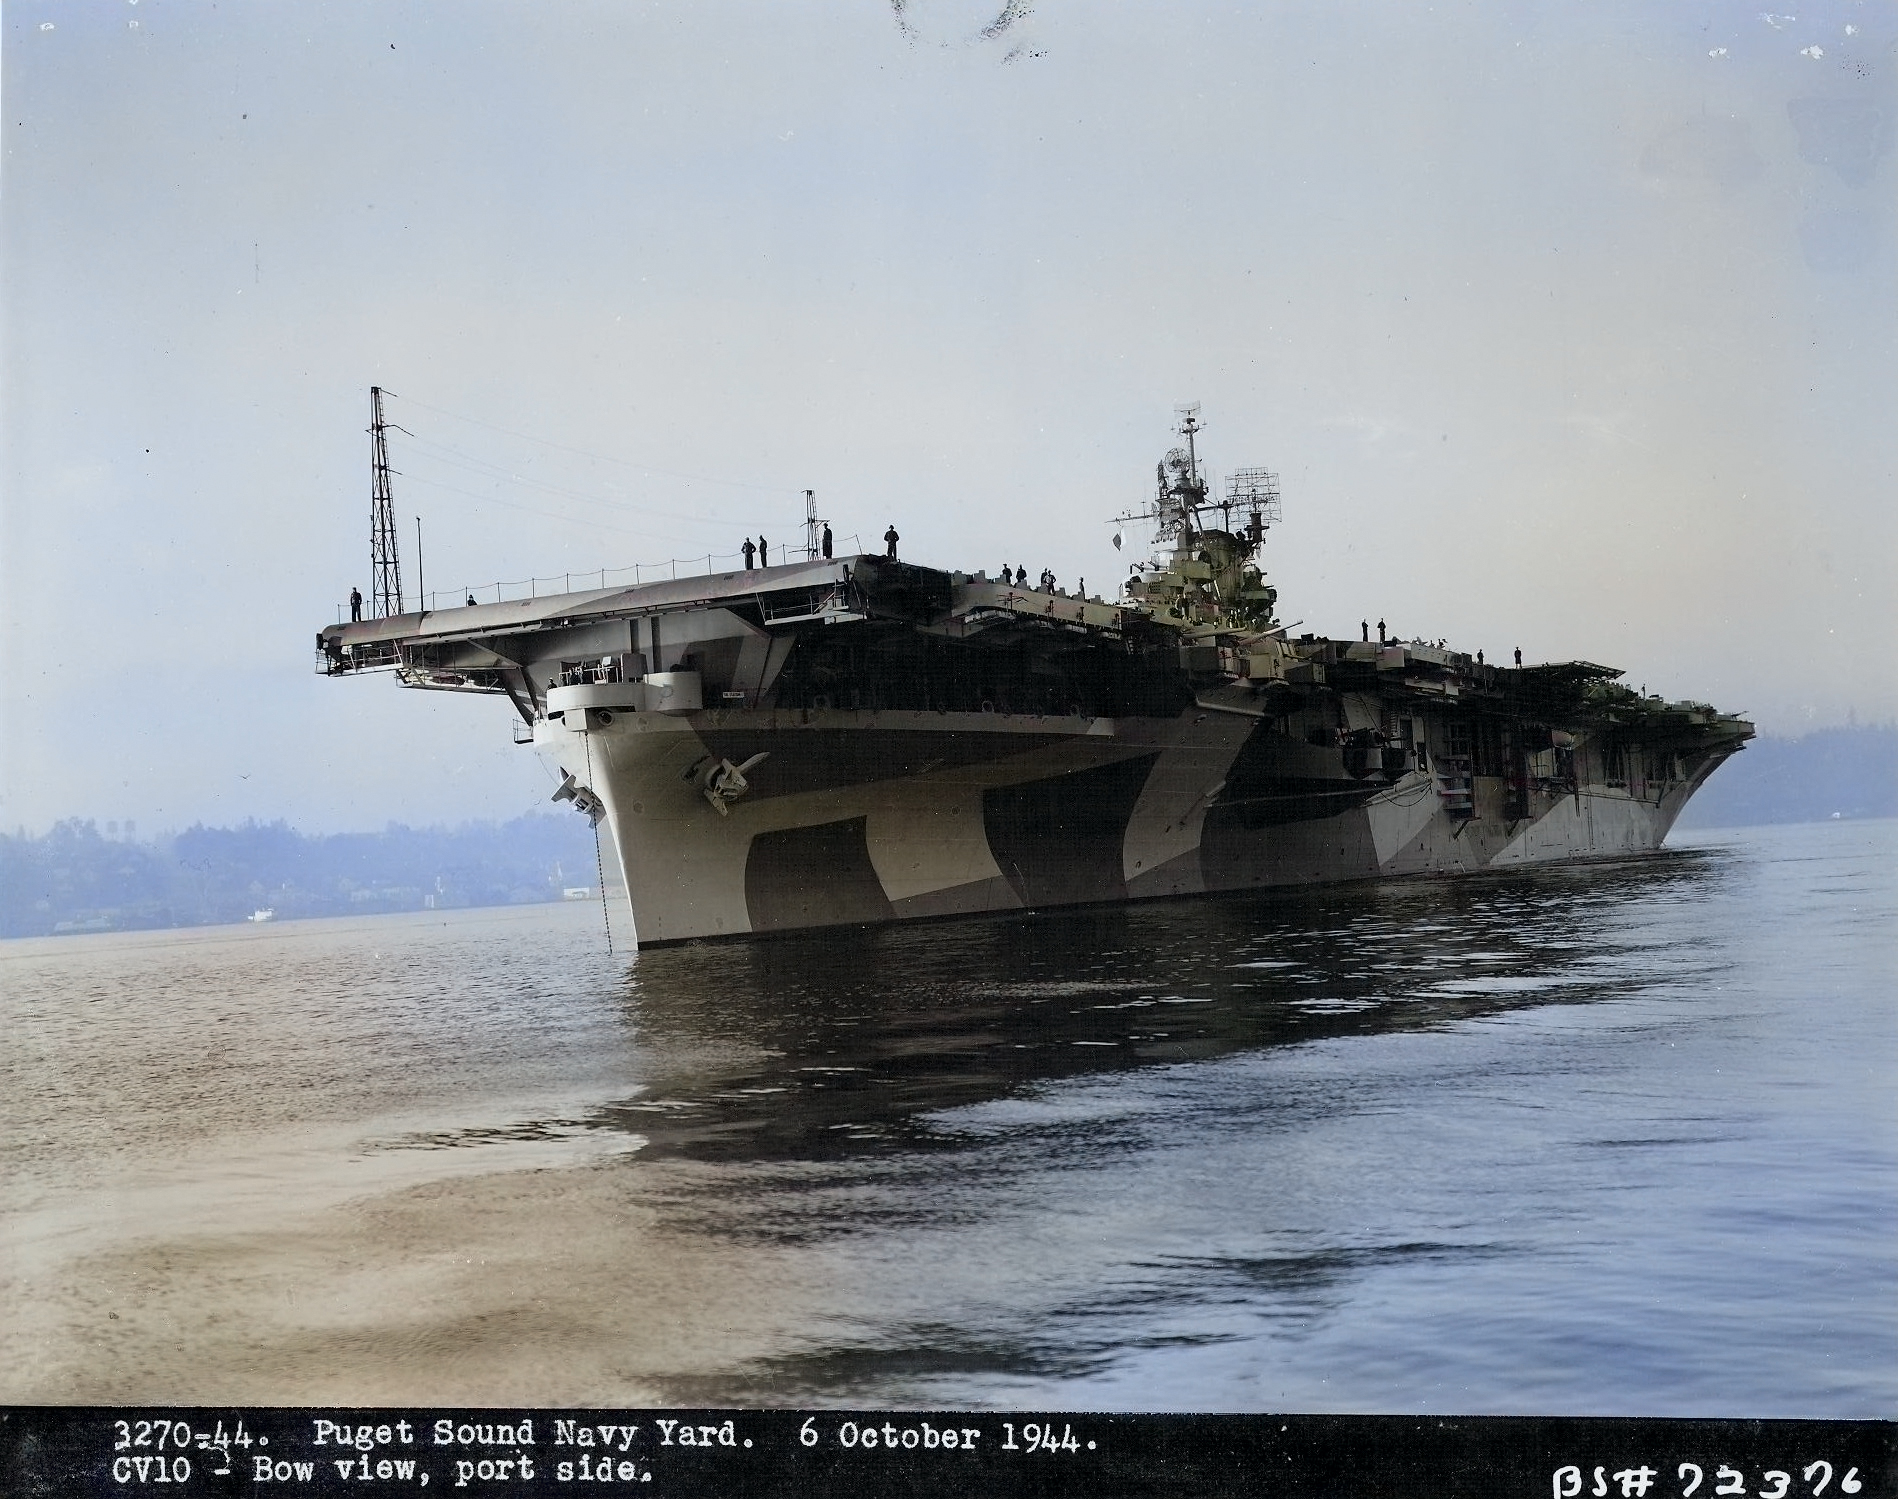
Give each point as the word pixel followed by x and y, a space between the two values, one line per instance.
pixel 1255 490
pixel 384 566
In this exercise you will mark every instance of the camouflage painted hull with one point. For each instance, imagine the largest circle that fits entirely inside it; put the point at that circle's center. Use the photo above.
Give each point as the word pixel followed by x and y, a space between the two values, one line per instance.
pixel 870 817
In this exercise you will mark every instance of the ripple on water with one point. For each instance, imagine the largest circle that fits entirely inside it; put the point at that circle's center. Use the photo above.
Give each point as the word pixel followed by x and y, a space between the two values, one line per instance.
pixel 1597 1139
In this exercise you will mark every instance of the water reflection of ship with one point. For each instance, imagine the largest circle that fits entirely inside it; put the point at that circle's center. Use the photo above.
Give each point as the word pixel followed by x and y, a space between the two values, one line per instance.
pixel 863 740
pixel 780 1051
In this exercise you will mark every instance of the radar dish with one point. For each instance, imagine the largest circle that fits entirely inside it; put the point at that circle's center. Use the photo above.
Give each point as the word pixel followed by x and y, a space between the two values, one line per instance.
pixel 1254 489
pixel 1176 458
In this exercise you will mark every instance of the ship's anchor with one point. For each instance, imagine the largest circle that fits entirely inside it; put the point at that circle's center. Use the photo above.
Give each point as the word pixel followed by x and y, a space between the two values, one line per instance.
pixel 725 782
pixel 582 798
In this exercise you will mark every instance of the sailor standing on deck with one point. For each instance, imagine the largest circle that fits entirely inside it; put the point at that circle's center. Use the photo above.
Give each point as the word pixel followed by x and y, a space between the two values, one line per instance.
pixel 890 539
pixel 750 552
pixel 764 559
pixel 355 604
pixel 827 543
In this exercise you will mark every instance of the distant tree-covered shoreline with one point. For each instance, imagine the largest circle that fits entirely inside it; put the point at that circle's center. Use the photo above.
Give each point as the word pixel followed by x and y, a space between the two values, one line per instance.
pixel 75 879
pixel 1844 772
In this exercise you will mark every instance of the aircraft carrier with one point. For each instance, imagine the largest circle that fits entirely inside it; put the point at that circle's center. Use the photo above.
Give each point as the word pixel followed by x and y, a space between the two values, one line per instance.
pixel 861 739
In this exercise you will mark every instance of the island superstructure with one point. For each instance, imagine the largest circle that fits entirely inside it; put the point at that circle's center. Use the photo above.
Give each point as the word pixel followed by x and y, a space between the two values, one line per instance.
pixel 861 739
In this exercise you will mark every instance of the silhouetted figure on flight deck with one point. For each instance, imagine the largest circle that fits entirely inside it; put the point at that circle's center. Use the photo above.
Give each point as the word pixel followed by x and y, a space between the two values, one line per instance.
pixel 764 556
pixel 471 601
pixel 1365 626
pixel 355 604
pixel 751 553
pixel 1380 632
pixel 1518 655
pixel 890 539
pixel 827 543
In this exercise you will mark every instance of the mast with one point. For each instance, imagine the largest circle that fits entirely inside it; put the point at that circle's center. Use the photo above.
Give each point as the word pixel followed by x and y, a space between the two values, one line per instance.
pixel 1189 426
pixel 1181 491
pixel 384 566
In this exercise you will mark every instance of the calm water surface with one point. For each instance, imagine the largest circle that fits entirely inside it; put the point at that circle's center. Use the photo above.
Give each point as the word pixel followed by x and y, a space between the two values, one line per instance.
pixel 1608 1140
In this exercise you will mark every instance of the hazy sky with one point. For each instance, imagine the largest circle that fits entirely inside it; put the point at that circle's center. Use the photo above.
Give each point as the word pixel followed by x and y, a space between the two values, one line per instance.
pixel 1571 326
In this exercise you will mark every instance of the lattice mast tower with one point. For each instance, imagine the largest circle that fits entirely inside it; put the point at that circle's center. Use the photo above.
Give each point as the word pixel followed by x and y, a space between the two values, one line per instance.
pixel 813 526
pixel 384 566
